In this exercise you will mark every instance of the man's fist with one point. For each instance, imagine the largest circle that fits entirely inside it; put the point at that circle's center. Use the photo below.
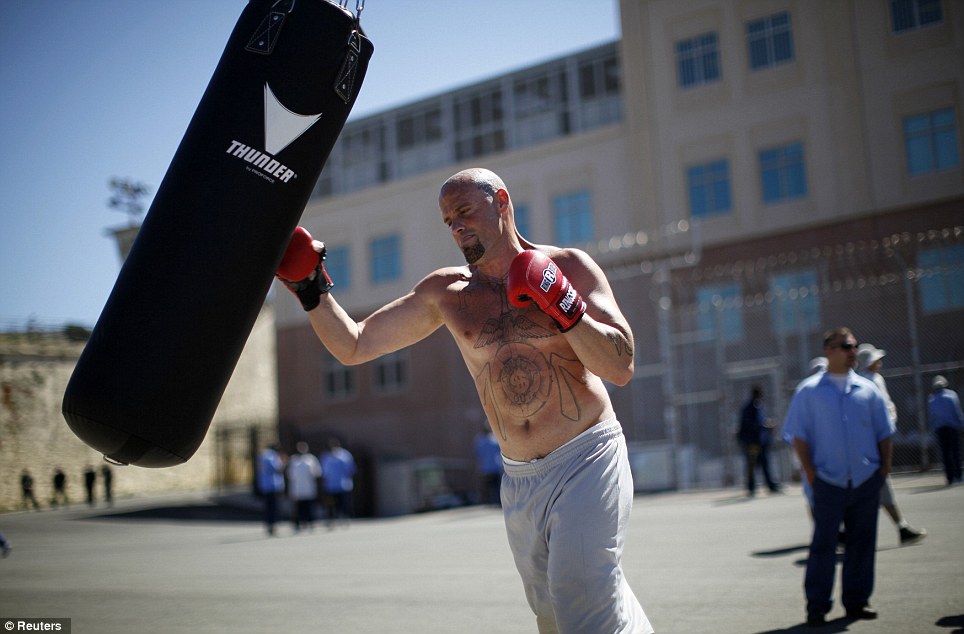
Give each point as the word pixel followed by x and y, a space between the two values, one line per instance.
pixel 533 276
pixel 302 269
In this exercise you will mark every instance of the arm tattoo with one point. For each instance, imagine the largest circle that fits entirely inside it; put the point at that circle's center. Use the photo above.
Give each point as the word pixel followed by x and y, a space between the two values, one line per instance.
pixel 621 344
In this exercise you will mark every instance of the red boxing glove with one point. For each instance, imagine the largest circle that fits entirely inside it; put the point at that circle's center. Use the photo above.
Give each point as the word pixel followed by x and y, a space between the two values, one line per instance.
pixel 302 269
pixel 300 257
pixel 533 276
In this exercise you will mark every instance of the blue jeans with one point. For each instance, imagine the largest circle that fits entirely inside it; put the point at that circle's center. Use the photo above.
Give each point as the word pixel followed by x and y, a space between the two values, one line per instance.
pixel 857 509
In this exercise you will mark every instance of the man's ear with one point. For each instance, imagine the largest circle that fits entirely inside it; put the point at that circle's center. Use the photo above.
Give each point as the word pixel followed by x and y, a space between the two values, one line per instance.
pixel 503 197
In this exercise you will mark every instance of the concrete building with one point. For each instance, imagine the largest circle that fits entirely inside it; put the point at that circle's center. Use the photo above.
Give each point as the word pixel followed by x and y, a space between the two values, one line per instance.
pixel 749 173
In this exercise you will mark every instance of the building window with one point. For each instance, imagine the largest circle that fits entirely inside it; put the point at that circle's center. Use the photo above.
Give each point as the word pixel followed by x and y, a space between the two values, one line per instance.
pixel 720 311
pixel 540 108
pixel 522 220
pixel 709 189
pixel 698 60
pixel 930 140
pixel 339 380
pixel 782 173
pixel 386 259
pixel 421 128
pixel 907 15
pixel 572 214
pixel 942 279
pixel 599 98
pixel 795 308
pixel 479 125
pixel 338 265
pixel 420 141
pixel 770 41
pixel 360 153
pixel 391 372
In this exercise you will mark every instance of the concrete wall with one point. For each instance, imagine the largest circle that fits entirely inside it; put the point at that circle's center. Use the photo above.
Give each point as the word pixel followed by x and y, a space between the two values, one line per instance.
pixel 33 435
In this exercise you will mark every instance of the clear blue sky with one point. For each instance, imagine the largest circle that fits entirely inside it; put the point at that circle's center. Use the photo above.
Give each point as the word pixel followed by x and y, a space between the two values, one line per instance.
pixel 95 89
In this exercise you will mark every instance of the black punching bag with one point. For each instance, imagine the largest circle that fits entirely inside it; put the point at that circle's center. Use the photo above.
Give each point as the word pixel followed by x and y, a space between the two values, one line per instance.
pixel 160 356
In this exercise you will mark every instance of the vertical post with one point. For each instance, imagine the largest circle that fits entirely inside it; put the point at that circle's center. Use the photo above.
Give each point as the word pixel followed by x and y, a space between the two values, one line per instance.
pixel 724 404
pixel 662 277
pixel 254 444
pixel 915 362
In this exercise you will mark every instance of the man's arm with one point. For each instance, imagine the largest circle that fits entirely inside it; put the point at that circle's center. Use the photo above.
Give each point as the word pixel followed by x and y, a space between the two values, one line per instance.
pixel 396 325
pixel 392 327
pixel 802 448
pixel 600 336
pixel 603 341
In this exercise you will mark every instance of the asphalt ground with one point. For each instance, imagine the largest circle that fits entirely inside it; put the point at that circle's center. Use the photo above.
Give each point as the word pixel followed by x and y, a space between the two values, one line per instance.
pixel 700 562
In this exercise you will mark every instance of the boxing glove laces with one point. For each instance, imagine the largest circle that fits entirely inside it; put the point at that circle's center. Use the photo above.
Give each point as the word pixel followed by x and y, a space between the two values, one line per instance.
pixel 302 269
pixel 534 277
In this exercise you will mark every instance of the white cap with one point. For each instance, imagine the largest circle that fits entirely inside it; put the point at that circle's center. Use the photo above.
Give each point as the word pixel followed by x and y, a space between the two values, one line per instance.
pixel 939 382
pixel 867 355
pixel 818 363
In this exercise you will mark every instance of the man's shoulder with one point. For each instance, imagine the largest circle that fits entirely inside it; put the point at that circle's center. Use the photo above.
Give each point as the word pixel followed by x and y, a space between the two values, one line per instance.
pixel 864 382
pixel 445 276
pixel 810 383
pixel 442 281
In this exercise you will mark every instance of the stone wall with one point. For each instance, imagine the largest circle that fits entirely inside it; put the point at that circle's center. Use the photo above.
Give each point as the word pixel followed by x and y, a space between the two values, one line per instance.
pixel 34 370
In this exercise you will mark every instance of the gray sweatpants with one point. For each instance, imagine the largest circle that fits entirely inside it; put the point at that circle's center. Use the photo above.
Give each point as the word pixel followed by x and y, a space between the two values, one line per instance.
pixel 566 517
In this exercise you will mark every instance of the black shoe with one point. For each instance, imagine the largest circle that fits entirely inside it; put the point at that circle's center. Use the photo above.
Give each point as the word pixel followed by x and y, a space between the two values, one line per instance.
pixel 816 619
pixel 910 535
pixel 865 613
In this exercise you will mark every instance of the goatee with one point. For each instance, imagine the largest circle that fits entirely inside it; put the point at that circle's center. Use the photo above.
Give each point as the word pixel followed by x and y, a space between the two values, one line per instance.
pixel 473 253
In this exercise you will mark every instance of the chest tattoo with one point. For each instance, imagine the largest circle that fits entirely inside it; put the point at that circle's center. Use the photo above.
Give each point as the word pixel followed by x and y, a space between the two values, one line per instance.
pixel 519 379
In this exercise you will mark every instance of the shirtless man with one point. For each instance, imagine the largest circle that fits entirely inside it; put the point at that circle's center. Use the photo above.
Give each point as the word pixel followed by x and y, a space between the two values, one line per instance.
pixel 539 330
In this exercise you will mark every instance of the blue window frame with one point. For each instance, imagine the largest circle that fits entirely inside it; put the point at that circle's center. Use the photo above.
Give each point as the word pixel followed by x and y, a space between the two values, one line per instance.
pixel 572 214
pixel 386 259
pixel 709 189
pixel 907 15
pixel 930 141
pixel 698 60
pixel 770 41
pixel 338 265
pixel 942 279
pixel 720 311
pixel 782 173
pixel 796 303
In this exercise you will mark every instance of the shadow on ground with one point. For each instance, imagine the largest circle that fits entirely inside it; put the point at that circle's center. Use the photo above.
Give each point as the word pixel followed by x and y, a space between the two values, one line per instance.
pixel 200 511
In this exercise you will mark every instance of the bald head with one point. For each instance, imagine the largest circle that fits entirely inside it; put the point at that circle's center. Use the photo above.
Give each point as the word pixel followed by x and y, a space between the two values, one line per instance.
pixel 485 180
pixel 477 209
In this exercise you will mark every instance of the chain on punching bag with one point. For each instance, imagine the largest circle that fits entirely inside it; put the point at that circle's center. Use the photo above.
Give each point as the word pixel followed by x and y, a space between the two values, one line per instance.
pixel 148 382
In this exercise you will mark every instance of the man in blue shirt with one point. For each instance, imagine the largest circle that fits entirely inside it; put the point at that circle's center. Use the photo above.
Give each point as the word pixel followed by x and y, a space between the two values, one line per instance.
pixel 338 473
pixel 946 420
pixel 271 483
pixel 754 435
pixel 841 432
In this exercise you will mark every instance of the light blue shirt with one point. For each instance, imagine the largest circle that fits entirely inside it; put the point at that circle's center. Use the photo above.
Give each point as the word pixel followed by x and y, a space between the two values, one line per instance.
pixel 270 472
pixel 842 428
pixel 338 469
pixel 944 410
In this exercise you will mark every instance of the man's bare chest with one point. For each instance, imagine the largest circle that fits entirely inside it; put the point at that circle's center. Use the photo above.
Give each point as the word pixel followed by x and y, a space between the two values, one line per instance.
pixel 482 320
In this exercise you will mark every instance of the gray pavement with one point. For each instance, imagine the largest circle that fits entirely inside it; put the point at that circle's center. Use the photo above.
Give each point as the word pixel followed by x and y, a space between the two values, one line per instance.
pixel 699 562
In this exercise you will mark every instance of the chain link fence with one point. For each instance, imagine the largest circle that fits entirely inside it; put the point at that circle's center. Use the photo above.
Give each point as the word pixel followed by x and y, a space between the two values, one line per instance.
pixel 722 328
